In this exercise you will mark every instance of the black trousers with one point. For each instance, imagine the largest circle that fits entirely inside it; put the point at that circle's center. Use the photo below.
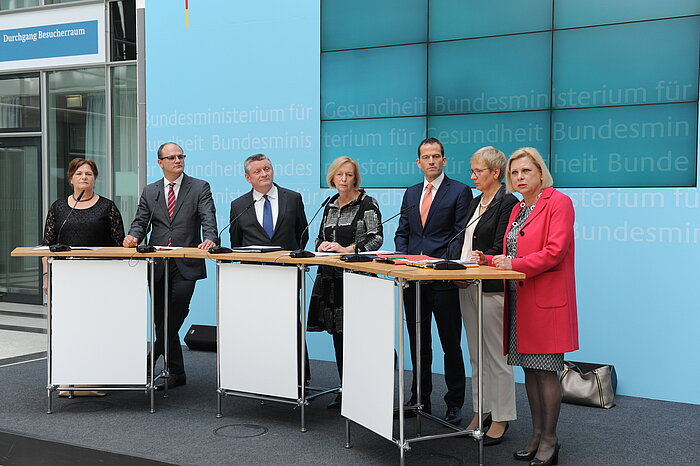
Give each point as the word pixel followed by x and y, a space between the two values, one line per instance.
pixel 443 303
pixel 180 295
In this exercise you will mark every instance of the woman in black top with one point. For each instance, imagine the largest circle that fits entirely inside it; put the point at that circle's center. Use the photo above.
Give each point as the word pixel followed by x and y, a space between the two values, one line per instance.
pixel 351 219
pixel 95 221
pixel 488 218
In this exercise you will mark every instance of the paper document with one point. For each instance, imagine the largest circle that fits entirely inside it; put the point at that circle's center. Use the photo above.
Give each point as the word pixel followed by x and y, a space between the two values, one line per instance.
pixel 74 248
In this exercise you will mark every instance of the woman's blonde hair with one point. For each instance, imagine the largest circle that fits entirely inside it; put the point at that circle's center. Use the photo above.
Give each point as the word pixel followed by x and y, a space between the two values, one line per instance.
pixel 494 159
pixel 537 159
pixel 335 166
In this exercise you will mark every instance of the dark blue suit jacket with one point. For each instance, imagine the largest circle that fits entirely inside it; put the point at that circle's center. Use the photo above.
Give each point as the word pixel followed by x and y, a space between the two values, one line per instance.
pixel 447 216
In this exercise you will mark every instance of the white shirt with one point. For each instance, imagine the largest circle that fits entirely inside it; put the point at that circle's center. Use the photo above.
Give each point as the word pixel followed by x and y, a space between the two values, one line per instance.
pixel 436 184
pixel 260 205
pixel 469 236
pixel 176 187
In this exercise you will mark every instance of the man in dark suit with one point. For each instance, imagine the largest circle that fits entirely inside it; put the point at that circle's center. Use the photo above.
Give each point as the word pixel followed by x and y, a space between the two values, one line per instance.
pixel 180 208
pixel 440 213
pixel 270 215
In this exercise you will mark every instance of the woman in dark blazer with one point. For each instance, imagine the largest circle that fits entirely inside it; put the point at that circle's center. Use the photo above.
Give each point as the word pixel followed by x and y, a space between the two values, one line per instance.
pixel 542 321
pixel 488 218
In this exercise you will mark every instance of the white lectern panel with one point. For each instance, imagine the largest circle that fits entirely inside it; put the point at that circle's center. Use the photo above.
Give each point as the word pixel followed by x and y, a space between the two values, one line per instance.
pixel 258 329
pixel 99 322
pixel 369 313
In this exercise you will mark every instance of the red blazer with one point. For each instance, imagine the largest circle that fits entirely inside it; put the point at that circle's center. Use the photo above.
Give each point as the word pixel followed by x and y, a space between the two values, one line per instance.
pixel 546 305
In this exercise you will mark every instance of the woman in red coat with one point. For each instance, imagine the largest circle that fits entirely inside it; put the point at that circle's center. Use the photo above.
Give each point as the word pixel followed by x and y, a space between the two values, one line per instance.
pixel 541 323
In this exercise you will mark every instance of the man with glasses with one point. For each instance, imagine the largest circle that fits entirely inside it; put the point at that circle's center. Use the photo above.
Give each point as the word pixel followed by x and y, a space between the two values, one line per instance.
pixel 440 213
pixel 179 208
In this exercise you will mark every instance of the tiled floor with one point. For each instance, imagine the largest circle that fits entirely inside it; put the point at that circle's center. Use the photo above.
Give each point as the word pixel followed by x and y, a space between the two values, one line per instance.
pixel 22 332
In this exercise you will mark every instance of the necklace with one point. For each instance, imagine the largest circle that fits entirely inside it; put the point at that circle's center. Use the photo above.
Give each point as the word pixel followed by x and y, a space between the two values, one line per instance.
pixel 485 206
pixel 522 204
pixel 82 200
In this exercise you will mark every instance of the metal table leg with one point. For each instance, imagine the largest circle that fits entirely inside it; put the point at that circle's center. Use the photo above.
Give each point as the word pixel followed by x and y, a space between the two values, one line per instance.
pixel 49 387
pixel 418 367
pixel 166 303
pixel 302 353
pixel 152 361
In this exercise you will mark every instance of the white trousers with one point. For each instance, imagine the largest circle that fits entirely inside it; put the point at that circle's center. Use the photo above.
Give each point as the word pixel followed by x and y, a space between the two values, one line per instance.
pixel 498 384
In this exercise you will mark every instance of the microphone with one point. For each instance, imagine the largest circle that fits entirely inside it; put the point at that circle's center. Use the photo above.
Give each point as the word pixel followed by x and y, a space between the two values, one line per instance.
pixel 58 247
pixel 301 253
pixel 448 264
pixel 357 257
pixel 220 249
pixel 143 247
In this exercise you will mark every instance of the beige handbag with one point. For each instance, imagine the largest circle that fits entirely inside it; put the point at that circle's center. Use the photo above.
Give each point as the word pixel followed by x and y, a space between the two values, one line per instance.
pixel 588 384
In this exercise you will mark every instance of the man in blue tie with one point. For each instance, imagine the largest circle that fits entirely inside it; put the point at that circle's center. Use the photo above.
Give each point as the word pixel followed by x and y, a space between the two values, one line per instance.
pixel 269 214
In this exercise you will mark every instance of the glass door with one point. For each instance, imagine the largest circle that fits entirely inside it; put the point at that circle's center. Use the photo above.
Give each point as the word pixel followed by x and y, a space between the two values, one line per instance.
pixel 20 218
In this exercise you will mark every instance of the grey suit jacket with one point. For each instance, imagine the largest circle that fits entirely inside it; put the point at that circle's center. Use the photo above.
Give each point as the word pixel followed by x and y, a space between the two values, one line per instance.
pixel 194 213
pixel 290 230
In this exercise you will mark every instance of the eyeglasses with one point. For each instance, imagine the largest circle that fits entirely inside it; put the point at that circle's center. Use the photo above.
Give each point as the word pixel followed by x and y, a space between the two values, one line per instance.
pixel 173 157
pixel 477 172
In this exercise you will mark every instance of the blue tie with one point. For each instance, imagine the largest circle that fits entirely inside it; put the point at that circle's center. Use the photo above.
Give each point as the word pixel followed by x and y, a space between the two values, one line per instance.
pixel 267 217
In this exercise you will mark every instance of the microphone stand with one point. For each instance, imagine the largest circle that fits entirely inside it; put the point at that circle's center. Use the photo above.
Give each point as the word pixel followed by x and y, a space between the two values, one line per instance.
pixel 301 253
pixel 448 264
pixel 220 249
pixel 58 247
pixel 144 248
pixel 356 256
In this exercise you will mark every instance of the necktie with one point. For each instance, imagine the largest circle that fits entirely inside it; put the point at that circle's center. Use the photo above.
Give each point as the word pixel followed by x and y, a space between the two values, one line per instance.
pixel 425 205
pixel 171 199
pixel 267 217
pixel 171 205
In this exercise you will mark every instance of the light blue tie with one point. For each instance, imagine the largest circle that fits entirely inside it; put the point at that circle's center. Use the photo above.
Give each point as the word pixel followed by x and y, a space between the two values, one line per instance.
pixel 267 217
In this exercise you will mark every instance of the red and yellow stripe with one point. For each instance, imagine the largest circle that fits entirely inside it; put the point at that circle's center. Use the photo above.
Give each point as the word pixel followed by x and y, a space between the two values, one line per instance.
pixel 187 13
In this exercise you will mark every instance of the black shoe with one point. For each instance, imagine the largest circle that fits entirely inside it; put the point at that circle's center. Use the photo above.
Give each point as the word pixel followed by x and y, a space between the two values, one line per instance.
pixel 453 415
pixel 174 380
pixel 336 404
pixel 524 455
pixel 410 409
pixel 488 441
pixel 554 459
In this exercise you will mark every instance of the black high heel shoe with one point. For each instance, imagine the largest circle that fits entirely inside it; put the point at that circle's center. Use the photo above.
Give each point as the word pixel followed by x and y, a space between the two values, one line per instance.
pixel 554 459
pixel 524 455
pixel 489 441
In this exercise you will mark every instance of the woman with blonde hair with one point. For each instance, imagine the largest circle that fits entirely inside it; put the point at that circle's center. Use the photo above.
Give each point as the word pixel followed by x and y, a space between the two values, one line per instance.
pixel 351 220
pixel 541 323
pixel 488 218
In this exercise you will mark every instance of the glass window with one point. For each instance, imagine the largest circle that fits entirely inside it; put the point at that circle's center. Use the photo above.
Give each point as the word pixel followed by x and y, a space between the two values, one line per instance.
pixel 386 149
pixel 372 83
pixel 490 75
pixel 572 13
pixel 12 4
pixel 20 217
pixel 122 15
pixel 76 125
pixel 125 140
pixel 369 23
pixel 462 135
pixel 460 19
pixel 647 145
pixel 53 2
pixel 19 103
pixel 628 64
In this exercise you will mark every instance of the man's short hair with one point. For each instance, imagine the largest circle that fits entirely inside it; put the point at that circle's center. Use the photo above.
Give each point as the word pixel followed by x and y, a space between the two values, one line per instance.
pixel 431 141
pixel 160 149
pixel 254 158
